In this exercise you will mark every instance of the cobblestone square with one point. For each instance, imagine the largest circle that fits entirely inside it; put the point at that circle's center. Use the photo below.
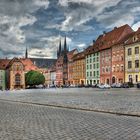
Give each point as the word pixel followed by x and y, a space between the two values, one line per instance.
pixel 123 101
pixel 20 121
pixel 27 114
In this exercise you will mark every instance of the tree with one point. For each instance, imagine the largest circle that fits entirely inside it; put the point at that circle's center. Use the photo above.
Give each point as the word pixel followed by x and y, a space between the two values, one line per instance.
pixel 33 78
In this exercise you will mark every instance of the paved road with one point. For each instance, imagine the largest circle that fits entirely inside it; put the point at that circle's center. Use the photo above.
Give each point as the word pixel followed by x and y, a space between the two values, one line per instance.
pixel 125 101
pixel 32 122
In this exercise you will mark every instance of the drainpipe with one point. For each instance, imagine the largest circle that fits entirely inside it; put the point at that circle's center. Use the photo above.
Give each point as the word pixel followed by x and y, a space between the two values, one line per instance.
pixel 124 63
pixel 111 68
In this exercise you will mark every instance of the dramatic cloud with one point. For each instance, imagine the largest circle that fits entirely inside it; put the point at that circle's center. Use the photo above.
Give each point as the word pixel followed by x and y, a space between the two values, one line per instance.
pixel 125 13
pixel 79 12
pixel 47 47
pixel 39 24
pixel 15 14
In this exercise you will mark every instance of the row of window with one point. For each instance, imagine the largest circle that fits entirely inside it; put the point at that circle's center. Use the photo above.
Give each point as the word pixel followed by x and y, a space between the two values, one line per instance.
pixel 105 53
pixel 129 51
pixel 136 64
pixel 117 58
pixel 106 69
pixel 95 59
pixel 114 69
pixel 118 68
pixel 92 82
pixel 95 66
pixel 106 60
pixel 95 73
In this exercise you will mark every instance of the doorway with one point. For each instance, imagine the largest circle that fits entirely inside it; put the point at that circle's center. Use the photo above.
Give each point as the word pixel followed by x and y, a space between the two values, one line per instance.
pixel 113 80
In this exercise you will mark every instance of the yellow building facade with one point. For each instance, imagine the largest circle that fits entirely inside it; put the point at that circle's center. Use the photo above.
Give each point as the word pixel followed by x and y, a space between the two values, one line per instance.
pixel 79 69
pixel 132 62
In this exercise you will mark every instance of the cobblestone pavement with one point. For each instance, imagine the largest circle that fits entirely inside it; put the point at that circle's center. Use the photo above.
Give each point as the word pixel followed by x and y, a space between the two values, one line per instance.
pixel 20 121
pixel 125 101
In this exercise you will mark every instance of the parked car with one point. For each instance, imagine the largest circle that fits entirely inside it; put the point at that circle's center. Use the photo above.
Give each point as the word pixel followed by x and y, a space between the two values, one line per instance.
pixel 104 86
pixel 94 85
pixel 88 86
pixel 138 85
pixel 72 86
pixel 119 85
pixel 113 85
pixel 52 86
pixel 80 86
pixel 125 85
pixel 65 86
pixel 101 86
pixel 97 85
pixel 107 86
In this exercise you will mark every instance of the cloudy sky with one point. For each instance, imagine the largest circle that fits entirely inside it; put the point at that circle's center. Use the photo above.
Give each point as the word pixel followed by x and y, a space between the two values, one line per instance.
pixel 39 24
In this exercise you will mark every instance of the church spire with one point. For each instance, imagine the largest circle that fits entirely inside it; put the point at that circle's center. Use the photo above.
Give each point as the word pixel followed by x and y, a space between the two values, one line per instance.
pixel 65 45
pixel 26 53
pixel 65 51
pixel 59 49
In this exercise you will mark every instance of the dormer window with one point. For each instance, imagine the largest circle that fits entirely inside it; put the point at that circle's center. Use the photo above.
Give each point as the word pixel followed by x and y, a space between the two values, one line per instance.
pixel 134 38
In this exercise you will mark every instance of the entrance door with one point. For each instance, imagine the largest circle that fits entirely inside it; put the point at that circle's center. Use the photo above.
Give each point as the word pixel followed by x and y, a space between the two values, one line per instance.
pixel 82 82
pixel 113 80
pixel 107 81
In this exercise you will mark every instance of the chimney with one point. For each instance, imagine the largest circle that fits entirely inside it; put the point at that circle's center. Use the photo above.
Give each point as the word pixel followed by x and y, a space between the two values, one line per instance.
pixel 93 41
pixel 115 27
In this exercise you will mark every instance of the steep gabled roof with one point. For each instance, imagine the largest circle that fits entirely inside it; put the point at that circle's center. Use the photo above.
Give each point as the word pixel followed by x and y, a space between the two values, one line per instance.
pixel 107 40
pixel 15 59
pixel 113 37
pixel 28 64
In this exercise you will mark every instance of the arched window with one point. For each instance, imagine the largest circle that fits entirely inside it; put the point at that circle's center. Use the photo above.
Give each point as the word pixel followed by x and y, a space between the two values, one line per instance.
pixel 17 79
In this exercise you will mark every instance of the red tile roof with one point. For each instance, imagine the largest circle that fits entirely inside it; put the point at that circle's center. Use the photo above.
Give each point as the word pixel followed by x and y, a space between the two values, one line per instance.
pixel 4 63
pixel 107 40
pixel 15 59
pixel 28 64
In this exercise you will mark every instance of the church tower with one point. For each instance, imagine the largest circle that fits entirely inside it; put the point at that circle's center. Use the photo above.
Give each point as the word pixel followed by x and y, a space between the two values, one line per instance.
pixel 65 63
pixel 26 53
pixel 59 50
pixel 65 51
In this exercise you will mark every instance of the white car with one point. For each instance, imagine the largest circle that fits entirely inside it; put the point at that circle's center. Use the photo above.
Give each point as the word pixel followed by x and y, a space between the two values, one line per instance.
pixel 104 86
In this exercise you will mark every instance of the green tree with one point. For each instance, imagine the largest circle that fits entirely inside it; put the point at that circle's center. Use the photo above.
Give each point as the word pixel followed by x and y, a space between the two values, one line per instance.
pixel 33 78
